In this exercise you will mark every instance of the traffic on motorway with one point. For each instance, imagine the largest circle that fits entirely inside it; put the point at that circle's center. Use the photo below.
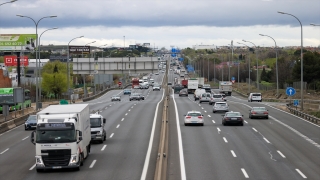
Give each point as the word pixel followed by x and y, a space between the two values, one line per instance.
pixel 213 134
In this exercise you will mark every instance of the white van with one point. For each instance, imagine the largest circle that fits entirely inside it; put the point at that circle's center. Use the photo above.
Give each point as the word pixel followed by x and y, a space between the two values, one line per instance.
pixel 255 97
pixel 197 93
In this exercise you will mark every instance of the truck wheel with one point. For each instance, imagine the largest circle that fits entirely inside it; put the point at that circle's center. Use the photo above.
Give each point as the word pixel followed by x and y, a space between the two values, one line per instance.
pixel 39 170
pixel 81 159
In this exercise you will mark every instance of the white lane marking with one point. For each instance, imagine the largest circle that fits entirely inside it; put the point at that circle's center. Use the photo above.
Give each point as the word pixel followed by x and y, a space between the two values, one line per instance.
pixel 281 154
pixel 32 167
pixel 201 107
pixel 297 132
pixel 118 126
pixel 134 104
pixel 266 140
pixel 233 154
pixel 129 110
pixel 92 164
pixel 106 108
pixel 246 122
pixel 122 119
pixel 110 105
pixel 111 135
pixel 25 138
pixel 244 173
pixel 147 159
pixel 104 146
pixel 254 129
pixel 131 106
pixel 209 115
pixel 301 174
pixel 126 114
pixel 213 121
pixel 219 130
pixel 225 140
pixel 205 111
pixel 4 151
pixel 11 129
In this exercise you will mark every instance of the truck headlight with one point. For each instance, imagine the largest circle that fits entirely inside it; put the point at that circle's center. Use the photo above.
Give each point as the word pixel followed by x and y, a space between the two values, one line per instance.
pixel 99 132
pixel 39 161
pixel 73 159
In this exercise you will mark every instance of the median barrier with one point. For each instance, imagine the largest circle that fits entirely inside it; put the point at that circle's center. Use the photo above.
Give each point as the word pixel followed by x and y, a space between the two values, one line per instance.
pixel 3 128
pixel 11 124
pixel 303 115
pixel 20 120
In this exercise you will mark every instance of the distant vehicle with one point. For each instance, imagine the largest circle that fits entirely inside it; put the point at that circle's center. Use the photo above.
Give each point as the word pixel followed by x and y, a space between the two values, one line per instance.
pixel 144 85
pixel 7 95
pixel 116 98
pixel 127 91
pixel 215 98
pixel 184 83
pixel 31 122
pixel 192 85
pixel 193 117
pixel 258 112
pixel 183 92
pixel 198 93
pixel 169 83
pixel 207 87
pixel 220 106
pixel 135 82
pixel 134 96
pixel 141 96
pixel 224 97
pixel 255 97
pixel 156 73
pixel 232 118
pixel 205 97
pixel 225 87
pixel 156 87
pixel 98 133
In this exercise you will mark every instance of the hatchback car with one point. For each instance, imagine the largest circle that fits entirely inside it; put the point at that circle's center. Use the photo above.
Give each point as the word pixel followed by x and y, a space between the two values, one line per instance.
pixel 216 98
pixel 232 118
pixel 183 92
pixel 135 96
pixel 156 87
pixel 115 98
pixel 258 112
pixel 31 122
pixel 193 117
pixel 127 91
pixel 220 106
pixel 205 97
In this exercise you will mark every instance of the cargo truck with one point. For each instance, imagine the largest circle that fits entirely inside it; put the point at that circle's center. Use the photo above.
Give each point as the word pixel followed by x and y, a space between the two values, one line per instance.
pixel 184 83
pixel 192 85
pixel 225 87
pixel 201 82
pixel 135 83
pixel 62 137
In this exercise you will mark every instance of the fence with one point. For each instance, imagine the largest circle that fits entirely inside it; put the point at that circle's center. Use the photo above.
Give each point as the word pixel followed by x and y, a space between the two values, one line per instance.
pixel 308 117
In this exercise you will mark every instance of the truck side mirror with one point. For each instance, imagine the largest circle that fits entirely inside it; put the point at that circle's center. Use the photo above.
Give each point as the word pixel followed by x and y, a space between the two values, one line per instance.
pixel 104 120
pixel 80 133
pixel 32 137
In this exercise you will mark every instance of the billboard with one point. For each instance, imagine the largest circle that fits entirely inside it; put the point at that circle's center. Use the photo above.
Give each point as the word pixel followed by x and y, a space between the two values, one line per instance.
pixel 12 60
pixel 17 42
pixel 79 49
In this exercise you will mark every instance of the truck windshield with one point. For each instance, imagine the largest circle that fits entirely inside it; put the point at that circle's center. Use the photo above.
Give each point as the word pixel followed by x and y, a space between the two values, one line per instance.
pixel 55 136
pixel 95 122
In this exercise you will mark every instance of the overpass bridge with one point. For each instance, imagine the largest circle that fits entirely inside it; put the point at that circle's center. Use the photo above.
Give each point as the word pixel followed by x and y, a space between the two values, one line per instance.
pixel 115 65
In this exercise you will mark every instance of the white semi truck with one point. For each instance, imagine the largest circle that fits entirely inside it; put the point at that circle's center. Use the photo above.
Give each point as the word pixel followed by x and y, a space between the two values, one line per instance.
pixel 225 87
pixel 192 85
pixel 62 137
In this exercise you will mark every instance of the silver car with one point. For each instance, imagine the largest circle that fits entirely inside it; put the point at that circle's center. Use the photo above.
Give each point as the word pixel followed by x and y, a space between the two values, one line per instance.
pixel 220 106
pixel 205 97
pixel 193 117
pixel 216 98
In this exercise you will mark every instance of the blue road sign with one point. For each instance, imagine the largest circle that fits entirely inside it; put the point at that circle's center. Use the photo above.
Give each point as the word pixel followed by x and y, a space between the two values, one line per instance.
pixel 173 55
pixel 290 91
pixel 296 102
pixel 173 50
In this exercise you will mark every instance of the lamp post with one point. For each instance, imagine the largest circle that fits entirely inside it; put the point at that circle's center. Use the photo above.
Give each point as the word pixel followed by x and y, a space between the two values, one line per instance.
pixel 8 2
pixel 102 50
pixel 276 62
pixel 257 63
pixel 312 24
pixel 124 42
pixel 84 76
pixel 36 24
pixel 68 69
pixel 40 58
pixel 86 45
pixel 249 66
pixel 301 57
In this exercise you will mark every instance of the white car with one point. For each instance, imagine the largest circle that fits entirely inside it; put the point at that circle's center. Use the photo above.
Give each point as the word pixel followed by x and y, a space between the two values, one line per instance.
pixel 193 117
pixel 156 87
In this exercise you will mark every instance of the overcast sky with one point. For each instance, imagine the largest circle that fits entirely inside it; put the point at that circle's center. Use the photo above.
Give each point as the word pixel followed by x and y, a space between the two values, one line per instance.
pixel 165 23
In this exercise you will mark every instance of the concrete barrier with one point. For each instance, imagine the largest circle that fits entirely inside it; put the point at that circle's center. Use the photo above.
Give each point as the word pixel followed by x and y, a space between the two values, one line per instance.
pixel 3 128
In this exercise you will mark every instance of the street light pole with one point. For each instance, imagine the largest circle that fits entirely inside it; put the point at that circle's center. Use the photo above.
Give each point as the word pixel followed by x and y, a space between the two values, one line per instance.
pixel 8 2
pixel 312 24
pixel 40 58
pixel 301 57
pixel 37 44
pixel 68 69
pixel 249 66
pixel 276 62
pixel 257 62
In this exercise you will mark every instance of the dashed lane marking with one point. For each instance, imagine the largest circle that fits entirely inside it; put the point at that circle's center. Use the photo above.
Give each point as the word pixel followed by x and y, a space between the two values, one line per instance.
pixel 301 174
pixel 32 167
pixel 213 121
pixel 25 138
pixel 281 154
pixel 92 164
pixel 111 135
pixel 104 146
pixel 4 151
pixel 225 140
pixel 118 126
pixel 244 173
pixel 233 154
pixel 122 119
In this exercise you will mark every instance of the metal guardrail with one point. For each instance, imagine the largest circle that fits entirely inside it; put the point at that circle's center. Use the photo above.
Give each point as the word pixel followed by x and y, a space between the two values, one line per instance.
pixel 305 116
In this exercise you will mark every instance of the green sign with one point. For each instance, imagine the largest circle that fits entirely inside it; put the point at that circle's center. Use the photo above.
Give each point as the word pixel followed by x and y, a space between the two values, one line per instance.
pixel 63 101
pixel 18 42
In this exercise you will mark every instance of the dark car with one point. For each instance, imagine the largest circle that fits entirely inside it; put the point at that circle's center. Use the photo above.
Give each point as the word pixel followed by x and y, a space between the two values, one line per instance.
pixel 135 96
pixel 31 122
pixel 258 112
pixel 232 118
pixel 183 92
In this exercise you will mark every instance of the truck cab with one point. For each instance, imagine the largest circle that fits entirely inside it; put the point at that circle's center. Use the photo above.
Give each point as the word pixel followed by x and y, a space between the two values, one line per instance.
pixel 98 133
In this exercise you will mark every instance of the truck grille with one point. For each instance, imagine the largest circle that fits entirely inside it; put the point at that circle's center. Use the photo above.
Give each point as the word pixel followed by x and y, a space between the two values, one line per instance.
pixel 56 157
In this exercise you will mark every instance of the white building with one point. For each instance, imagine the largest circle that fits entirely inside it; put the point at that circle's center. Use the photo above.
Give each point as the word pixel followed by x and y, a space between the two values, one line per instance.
pixel 208 47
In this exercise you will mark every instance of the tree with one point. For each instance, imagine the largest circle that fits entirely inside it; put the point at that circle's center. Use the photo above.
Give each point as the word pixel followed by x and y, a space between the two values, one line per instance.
pixel 311 67
pixel 264 75
pixel 54 75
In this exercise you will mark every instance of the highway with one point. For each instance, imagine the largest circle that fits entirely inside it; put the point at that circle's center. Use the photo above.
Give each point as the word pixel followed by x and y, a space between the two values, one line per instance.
pixel 281 147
